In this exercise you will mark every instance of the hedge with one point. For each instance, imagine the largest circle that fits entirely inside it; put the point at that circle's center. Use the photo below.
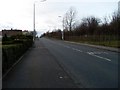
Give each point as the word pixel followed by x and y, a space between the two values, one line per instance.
pixel 11 53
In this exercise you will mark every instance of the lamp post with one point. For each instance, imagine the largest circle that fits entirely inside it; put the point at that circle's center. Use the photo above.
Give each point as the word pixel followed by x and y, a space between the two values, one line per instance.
pixel 62 31
pixel 34 28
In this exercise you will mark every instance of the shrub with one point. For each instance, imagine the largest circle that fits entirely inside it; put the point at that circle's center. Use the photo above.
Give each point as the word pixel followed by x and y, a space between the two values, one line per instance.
pixel 12 52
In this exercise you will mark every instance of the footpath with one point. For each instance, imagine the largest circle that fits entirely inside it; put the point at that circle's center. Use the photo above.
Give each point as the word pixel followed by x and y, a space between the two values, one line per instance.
pixel 38 69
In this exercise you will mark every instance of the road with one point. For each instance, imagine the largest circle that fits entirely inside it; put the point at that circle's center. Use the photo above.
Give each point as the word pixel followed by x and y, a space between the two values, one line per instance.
pixel 37 68
pixel 87 66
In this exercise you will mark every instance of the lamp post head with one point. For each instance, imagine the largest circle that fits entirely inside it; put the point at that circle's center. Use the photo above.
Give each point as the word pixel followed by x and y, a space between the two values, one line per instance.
pixel 59 16
pixel 43 0
pixel 40 1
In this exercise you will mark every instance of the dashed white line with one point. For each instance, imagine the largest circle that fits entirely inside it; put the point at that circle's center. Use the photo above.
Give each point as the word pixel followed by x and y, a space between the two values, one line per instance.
pixel 77 50
pixel 73 49
pixel 64 46
pixel 97 52
pixel 102 57
pixel 90 53
pixel 67 46
pixel 105 52
pixel 98 56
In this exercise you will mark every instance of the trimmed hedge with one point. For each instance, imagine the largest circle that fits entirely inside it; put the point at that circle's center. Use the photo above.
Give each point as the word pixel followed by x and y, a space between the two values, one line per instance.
pixel 11 53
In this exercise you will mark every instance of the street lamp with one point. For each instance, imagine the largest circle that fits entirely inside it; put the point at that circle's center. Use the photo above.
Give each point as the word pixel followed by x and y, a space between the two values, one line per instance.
pixel 34 31
pixel 62 31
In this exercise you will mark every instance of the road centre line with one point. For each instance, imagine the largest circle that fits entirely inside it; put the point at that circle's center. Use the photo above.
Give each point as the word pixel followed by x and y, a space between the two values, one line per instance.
pixel 64 46
pixel 77 50
pixel 90 53
pixel 70 47
pixel 98 56
pixel 67 46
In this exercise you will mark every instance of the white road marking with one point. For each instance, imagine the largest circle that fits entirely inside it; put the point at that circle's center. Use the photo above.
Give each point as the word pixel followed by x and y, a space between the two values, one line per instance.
pixel 102 57
pixel 64 45
pixel 73 49
pixel 105 52
pixel 90 53
pixel 67 46
pixel 77 50
pixel 70 48
pixel 97 52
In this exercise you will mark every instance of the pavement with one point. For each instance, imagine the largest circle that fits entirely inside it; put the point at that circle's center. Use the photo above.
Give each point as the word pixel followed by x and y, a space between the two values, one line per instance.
pixel 38 69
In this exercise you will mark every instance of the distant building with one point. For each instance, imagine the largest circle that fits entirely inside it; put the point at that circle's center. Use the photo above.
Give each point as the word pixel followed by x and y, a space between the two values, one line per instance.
pixel 26 32
pixel 0 33
pixel 11 32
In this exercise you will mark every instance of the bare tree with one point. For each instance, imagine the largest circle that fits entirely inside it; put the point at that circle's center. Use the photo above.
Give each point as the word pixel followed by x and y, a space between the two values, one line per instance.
pixel 91 23
pixel 69 19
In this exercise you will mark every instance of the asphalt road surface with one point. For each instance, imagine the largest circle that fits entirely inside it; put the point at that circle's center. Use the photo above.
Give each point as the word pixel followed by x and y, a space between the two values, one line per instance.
pixel 87 66
pixel 38 69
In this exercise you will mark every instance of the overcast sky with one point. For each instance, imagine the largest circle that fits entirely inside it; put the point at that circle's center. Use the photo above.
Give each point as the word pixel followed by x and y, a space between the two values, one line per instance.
pixel 18 14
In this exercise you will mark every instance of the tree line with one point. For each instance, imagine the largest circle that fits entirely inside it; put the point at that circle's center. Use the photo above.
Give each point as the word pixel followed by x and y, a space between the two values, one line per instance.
pixel 89 29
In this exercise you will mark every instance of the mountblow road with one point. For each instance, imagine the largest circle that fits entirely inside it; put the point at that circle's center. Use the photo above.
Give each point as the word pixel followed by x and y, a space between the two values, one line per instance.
pixel 88 67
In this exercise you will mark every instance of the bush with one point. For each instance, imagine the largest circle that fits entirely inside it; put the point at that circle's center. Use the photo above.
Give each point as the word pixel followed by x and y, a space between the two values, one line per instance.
pixel 11 53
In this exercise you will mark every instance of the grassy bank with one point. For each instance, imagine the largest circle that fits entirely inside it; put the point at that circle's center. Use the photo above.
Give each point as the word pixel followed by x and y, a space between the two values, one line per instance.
pixel 114 44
